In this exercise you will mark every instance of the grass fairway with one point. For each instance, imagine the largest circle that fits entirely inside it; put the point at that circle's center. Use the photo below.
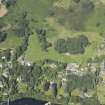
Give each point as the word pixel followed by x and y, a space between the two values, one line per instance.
pixel 35 53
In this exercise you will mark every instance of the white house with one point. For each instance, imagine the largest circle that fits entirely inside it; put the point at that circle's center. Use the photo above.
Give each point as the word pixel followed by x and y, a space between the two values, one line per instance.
pixel 102 67
pixel 64 82
pixel 3 57
pixel 72 68
pixel 53 65
pixel 19 79
pixel 24 62
pixel 5 74
pixel 1 66
pixel 49 103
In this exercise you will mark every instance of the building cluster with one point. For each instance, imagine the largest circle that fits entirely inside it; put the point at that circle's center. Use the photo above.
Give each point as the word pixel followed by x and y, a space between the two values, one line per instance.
pixel 71 69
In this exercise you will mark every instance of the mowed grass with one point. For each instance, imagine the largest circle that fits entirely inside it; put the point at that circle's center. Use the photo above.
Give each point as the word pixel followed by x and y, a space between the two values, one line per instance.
pixel 35 53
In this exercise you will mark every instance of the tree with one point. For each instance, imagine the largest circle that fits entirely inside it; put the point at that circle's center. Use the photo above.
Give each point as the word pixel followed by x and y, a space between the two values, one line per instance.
pixel 7 54
pixel 60 46
pixel 13 86
pixel 90 101
pixel 9 3
pixel 41 34
pixel 86 6
pixel 22 25
pixel 75 45
pixel 3 36
pixel 76 1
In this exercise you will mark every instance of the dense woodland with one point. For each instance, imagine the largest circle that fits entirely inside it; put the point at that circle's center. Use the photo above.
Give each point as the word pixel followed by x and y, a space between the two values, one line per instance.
pixel 72 45
pixel 2 36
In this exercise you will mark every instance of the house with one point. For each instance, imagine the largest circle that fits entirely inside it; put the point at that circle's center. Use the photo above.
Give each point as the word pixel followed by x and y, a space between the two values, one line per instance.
pixel 1 66
pixel 9 64
pixel 72 68
pixel 93 67
pixel 82 71
pixel 5 74
pixel 12 54
pixel 52 83
pixel 5 94
pixel 53 65
pixel 85 95
pixel 102 67
pixel 3 57
pixel 64 82
pixel 19 79
pixel 60 75
pixel 82 94
pixel 49 103
pixel 1 84
pixel 24 62
pixel 27 63
pixel 46 86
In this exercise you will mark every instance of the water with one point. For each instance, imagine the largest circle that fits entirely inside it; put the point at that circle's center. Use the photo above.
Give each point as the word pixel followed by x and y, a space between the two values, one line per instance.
pixel 28 101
